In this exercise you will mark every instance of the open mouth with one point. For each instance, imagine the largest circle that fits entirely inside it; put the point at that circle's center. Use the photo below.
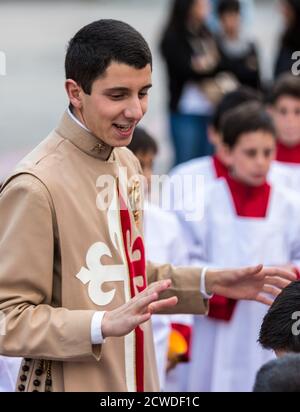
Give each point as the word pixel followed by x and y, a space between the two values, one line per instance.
pixel 124 130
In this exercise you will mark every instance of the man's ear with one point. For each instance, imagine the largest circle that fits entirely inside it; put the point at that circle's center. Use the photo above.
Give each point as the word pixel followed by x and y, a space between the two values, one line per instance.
pixel 74 93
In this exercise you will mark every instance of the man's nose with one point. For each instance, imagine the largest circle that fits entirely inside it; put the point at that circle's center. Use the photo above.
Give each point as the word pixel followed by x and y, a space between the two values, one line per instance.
pixel 134 110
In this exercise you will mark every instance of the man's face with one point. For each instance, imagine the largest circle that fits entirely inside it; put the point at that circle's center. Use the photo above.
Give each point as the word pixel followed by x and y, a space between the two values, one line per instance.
pixel 251 157
pixel 286 114
pixel 117 102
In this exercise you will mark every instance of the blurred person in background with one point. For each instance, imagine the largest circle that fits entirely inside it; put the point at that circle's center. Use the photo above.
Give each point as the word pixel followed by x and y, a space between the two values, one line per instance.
pixel 238 51
pixel 191 55
pixel 245 219
pixel 285 109
pixel 164 243
pixel 290 39
pixel 208 167
pixel 247 14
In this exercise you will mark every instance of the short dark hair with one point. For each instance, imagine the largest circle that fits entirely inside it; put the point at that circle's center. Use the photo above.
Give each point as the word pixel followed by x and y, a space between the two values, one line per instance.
pixel 231 100
pixel 285 85
pixel 96 45
pixel 248 117
pixel 142 142
pixel 228 6
pixel 276 331
pixel 279 375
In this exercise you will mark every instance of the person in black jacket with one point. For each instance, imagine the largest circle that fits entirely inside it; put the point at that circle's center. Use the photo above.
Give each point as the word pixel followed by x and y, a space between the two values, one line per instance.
pixel 238 52
pixel 192 59
pixel 290 41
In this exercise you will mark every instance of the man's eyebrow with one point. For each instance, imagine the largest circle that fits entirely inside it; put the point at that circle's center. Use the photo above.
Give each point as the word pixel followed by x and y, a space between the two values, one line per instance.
pixel 125 89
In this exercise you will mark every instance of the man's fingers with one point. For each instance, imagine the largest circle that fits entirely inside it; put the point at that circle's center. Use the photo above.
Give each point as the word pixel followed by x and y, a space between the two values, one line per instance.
pixel 283 273
pixel 264 299
pixel 272 290
pixel 251 270
pixel 276 281
pixel 157 287
pixel 162 304
pixel 143 318
pixel 142 303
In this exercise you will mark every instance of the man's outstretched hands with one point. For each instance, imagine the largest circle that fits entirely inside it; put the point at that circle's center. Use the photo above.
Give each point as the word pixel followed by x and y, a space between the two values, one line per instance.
pixel 251 283
pixel 124 319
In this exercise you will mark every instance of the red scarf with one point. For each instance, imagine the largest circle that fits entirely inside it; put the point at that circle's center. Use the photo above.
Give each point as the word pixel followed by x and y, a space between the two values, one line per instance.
pixel 220 169
pixel 288 154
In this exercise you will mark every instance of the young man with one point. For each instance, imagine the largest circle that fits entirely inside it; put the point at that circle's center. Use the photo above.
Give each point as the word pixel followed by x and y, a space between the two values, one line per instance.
pixel 245 219
pixel 285 100
pixel 280 329
pixel 73 269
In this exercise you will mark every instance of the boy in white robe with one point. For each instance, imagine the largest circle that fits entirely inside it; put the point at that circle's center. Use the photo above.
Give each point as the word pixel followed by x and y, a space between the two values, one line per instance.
pixel 245 219
pixel 164 243
pixel 285 100
pixel 209 168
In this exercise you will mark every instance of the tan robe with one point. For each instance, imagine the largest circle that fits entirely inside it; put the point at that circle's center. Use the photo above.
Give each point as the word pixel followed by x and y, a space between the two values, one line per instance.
pixel 63 257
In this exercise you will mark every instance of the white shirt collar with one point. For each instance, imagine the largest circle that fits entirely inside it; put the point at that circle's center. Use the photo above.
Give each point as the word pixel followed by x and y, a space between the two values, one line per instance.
pixel 76 120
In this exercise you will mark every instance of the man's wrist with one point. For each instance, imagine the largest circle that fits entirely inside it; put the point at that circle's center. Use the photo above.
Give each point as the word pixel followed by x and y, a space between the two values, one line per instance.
pixel 206 293
pixel 210 281
pixel 97 337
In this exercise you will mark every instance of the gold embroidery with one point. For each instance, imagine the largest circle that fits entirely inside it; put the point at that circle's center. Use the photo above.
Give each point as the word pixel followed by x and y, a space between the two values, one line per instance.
pixel 135 200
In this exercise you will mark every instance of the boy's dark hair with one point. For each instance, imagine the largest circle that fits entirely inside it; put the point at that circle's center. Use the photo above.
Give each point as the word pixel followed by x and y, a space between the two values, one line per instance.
pixel 96 45
pixel 248 117
pixel 285 85
pixel 279 375
pixel 231 100
pixel 228 6
pixel 278 325
pixel 142 142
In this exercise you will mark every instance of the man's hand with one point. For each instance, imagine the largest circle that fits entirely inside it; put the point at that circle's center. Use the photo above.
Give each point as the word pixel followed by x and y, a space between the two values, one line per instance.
pixel 121 321
pixel 249 283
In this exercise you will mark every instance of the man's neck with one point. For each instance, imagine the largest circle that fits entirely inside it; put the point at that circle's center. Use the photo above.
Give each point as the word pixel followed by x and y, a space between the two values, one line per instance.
pixel 75 115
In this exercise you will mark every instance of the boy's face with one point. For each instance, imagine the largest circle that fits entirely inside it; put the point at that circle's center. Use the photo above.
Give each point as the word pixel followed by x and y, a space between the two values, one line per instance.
pixel 251 157
pixel 286 114
pixel 231 23
pixel 117 102
pixel 146 160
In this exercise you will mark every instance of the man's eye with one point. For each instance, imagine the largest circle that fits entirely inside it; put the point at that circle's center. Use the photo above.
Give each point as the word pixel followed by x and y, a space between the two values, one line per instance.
pixel 143 94
pixel 117 96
